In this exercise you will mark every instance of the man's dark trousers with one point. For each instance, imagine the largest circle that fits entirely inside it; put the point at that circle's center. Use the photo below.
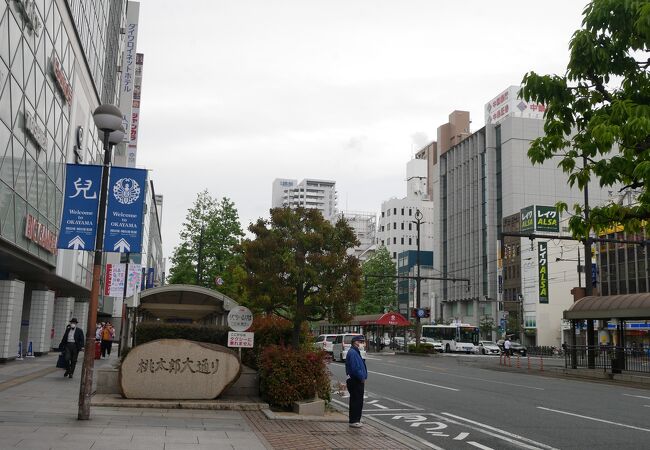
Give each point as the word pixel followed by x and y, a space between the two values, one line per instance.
pixel 71 354
pixel 355 388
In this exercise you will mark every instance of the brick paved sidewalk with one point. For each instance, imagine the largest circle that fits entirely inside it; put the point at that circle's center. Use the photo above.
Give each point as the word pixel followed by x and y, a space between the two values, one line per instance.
pixel 292 434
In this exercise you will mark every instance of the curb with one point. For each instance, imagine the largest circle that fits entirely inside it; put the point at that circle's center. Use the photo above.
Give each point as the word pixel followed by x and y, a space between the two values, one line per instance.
pixel 272 415
pixel 113 401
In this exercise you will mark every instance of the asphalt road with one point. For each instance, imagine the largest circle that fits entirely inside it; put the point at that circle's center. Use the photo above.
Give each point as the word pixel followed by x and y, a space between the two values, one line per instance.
pixel 447 404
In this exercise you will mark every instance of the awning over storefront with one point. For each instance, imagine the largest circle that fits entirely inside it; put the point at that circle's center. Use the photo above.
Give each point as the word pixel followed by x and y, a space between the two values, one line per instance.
pixel 17 263
pixel 630 306
pixel 184 302
pixel 393 318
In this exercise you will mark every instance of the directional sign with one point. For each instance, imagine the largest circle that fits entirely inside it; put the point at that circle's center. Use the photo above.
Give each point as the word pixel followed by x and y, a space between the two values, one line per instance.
pixel 126 193
pixel 80 206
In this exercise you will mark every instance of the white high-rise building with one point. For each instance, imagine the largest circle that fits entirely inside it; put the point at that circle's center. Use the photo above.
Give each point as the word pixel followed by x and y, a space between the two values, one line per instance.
pixel 397 230
pixel 309 193
pixel 364 225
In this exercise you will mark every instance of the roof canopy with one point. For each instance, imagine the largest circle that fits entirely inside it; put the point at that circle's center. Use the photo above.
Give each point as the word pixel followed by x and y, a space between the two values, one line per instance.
pixel 184 301
pixel 631 306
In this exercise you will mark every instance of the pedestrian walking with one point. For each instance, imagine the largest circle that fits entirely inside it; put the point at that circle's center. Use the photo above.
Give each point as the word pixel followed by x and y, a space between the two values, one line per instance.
pixel 357 372
pixel 71 344
pixel 107 339
pixel 506 346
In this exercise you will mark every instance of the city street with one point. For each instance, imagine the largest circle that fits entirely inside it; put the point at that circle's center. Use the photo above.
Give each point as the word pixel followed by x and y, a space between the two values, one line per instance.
pixel 447 404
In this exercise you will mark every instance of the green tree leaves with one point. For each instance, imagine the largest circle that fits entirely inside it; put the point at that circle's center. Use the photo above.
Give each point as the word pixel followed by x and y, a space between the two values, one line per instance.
pixel 600 110
pixel 298 267
pixel 379 290
pixel 209 239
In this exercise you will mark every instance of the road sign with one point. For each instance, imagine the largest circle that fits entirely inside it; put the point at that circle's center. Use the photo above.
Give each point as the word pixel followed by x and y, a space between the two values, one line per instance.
pixel 240 318
pixel 126 193
pixel 80 207
pixel 240 339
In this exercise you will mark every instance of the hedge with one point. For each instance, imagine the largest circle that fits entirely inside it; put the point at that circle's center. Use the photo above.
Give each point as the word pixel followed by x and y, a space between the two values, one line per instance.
pixel 272 330
pixel 150 331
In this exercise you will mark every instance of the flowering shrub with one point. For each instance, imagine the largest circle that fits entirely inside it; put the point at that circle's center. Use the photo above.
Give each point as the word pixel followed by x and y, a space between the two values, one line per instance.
pixel 288 375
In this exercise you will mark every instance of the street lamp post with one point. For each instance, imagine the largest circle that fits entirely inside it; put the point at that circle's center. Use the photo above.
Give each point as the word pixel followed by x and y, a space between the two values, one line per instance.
pixel 108 120
pixel 418 325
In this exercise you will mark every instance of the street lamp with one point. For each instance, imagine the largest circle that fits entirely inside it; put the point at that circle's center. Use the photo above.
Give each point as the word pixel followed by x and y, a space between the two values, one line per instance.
pixel 418 330
pixel 108 120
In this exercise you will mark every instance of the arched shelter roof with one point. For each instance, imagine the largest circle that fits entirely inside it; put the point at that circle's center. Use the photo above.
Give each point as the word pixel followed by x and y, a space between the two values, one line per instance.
pixel 630 306
pixel 184 301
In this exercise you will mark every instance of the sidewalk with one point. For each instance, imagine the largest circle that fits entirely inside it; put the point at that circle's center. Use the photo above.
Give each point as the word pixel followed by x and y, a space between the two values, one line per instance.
pixel 38 410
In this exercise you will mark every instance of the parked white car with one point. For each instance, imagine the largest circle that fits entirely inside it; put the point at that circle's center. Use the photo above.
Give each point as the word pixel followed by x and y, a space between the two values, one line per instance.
pixel 342 344
pixel 325 342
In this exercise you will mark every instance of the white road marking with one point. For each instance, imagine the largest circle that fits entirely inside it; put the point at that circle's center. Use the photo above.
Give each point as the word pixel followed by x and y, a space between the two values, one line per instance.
pixel 415 381
pixel 461 436
pixel 376 405
pixel 637 396
pixel 505 435
pixel 399 402
pixel 595 419
pixel 476 444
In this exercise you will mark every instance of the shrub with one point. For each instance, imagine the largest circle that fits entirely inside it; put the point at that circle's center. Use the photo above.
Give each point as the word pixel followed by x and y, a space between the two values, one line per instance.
pixel 288 375
pixel 150 331
pixel 271 330
pixel 422 348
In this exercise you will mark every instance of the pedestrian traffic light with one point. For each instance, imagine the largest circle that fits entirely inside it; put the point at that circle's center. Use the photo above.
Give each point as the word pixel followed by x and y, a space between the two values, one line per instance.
pixel 427 312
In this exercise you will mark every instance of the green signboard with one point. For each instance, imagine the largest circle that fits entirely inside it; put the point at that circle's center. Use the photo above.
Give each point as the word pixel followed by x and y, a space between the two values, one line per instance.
pixel 527 222
pixel 547 219
pixel 542 264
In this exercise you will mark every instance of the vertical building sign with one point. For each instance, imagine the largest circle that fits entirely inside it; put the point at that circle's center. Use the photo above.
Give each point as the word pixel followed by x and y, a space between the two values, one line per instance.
pixel 499 272
pixel 132 148
pixel 542 264
pixel 128 66
pixel 527 219
pixel 126 192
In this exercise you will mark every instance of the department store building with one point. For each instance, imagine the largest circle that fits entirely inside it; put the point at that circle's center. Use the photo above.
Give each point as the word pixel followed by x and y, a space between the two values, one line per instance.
pixel 58 62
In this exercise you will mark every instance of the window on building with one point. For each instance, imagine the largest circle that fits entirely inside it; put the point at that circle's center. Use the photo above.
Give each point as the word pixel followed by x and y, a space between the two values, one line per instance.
pixel 410 241
pixel 402 225
pixel 402 211
pixel 382 242
pixel 382 228
pixel 394 225
pixel 410 226
pixel 402 241
pixel 382 214
pixel 394 210
pixel 394 240
pixel 394 255
pixel 410 212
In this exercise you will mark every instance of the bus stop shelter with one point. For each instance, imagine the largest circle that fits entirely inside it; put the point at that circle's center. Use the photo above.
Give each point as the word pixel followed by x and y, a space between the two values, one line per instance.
pixel 372 326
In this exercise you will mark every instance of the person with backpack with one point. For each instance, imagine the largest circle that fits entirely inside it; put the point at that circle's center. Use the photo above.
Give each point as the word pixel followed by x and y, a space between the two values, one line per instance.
pixel 107 339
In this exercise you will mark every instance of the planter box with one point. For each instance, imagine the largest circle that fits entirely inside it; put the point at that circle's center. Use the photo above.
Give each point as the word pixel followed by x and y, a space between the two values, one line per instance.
pixel 310 407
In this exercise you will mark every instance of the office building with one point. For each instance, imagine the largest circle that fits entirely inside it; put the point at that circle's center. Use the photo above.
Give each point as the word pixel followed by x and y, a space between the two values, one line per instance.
pixel 58 62
pixel 309 193
pixel 364 225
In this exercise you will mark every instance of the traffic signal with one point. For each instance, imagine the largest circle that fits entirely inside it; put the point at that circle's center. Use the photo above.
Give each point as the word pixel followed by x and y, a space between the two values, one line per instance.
pixel 427 312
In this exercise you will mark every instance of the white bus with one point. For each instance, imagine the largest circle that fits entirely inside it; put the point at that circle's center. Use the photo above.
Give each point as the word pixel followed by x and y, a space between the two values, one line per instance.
pixel 459 337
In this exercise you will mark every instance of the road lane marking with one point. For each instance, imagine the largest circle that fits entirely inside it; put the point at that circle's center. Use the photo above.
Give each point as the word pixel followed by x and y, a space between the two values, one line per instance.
pixel 476 444
pixel 505 435
pixel 415 381
pixel 461 436
pixel 637 396
pixel 595 419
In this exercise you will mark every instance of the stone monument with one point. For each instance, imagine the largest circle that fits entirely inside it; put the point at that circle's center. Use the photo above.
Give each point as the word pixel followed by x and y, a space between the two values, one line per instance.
pixel 178 369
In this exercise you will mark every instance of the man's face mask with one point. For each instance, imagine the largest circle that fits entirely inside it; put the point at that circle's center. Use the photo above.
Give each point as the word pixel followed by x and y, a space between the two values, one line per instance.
pixel 73 325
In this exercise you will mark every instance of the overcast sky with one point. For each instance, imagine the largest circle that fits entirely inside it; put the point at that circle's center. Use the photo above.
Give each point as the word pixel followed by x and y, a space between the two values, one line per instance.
pixel 237 93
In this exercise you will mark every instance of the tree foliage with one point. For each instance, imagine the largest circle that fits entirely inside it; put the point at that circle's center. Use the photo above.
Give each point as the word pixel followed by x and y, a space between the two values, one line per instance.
pixel 299 269
pixel 378 290
pixel 487 326
pixel 599 110
pixel 210 236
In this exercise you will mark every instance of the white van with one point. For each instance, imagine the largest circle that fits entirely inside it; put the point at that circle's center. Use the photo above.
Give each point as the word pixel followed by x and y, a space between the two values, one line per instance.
pixel 342 344
pixel 325 342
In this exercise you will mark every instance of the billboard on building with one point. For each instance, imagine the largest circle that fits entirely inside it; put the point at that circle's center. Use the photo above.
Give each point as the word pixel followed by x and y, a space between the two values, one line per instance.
pixel 128 66
pixel 508 104
pixel 132 148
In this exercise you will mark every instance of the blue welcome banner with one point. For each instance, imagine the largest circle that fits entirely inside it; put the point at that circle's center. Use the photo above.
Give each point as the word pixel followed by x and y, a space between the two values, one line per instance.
pixel 126 193
pixel 80 207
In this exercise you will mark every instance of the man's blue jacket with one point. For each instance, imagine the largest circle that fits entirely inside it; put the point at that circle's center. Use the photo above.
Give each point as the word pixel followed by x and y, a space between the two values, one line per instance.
pixel 355 366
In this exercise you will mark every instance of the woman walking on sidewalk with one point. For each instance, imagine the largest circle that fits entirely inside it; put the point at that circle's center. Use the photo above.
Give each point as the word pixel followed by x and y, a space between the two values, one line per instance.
pixel 71 344
pixel 355 369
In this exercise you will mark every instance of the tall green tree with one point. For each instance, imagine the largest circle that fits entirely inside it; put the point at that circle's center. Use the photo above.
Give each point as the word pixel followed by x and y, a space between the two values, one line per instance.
pixel 379 284
pixel 598 112
pixel 209 240
pixel 298 267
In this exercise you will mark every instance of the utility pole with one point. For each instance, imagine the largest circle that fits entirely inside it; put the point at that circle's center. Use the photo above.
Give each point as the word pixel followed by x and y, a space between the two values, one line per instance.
pixel 199 257
pixel 591 337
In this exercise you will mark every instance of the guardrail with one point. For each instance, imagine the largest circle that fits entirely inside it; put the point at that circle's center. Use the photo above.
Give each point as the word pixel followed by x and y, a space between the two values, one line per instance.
pixel 608 358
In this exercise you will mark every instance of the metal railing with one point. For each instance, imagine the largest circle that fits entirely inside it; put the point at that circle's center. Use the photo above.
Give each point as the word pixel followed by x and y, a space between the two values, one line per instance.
pixel 608 358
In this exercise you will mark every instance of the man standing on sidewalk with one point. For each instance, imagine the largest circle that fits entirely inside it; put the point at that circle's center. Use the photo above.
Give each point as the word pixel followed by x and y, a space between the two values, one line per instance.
pixel 71 344
pixel 355 369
